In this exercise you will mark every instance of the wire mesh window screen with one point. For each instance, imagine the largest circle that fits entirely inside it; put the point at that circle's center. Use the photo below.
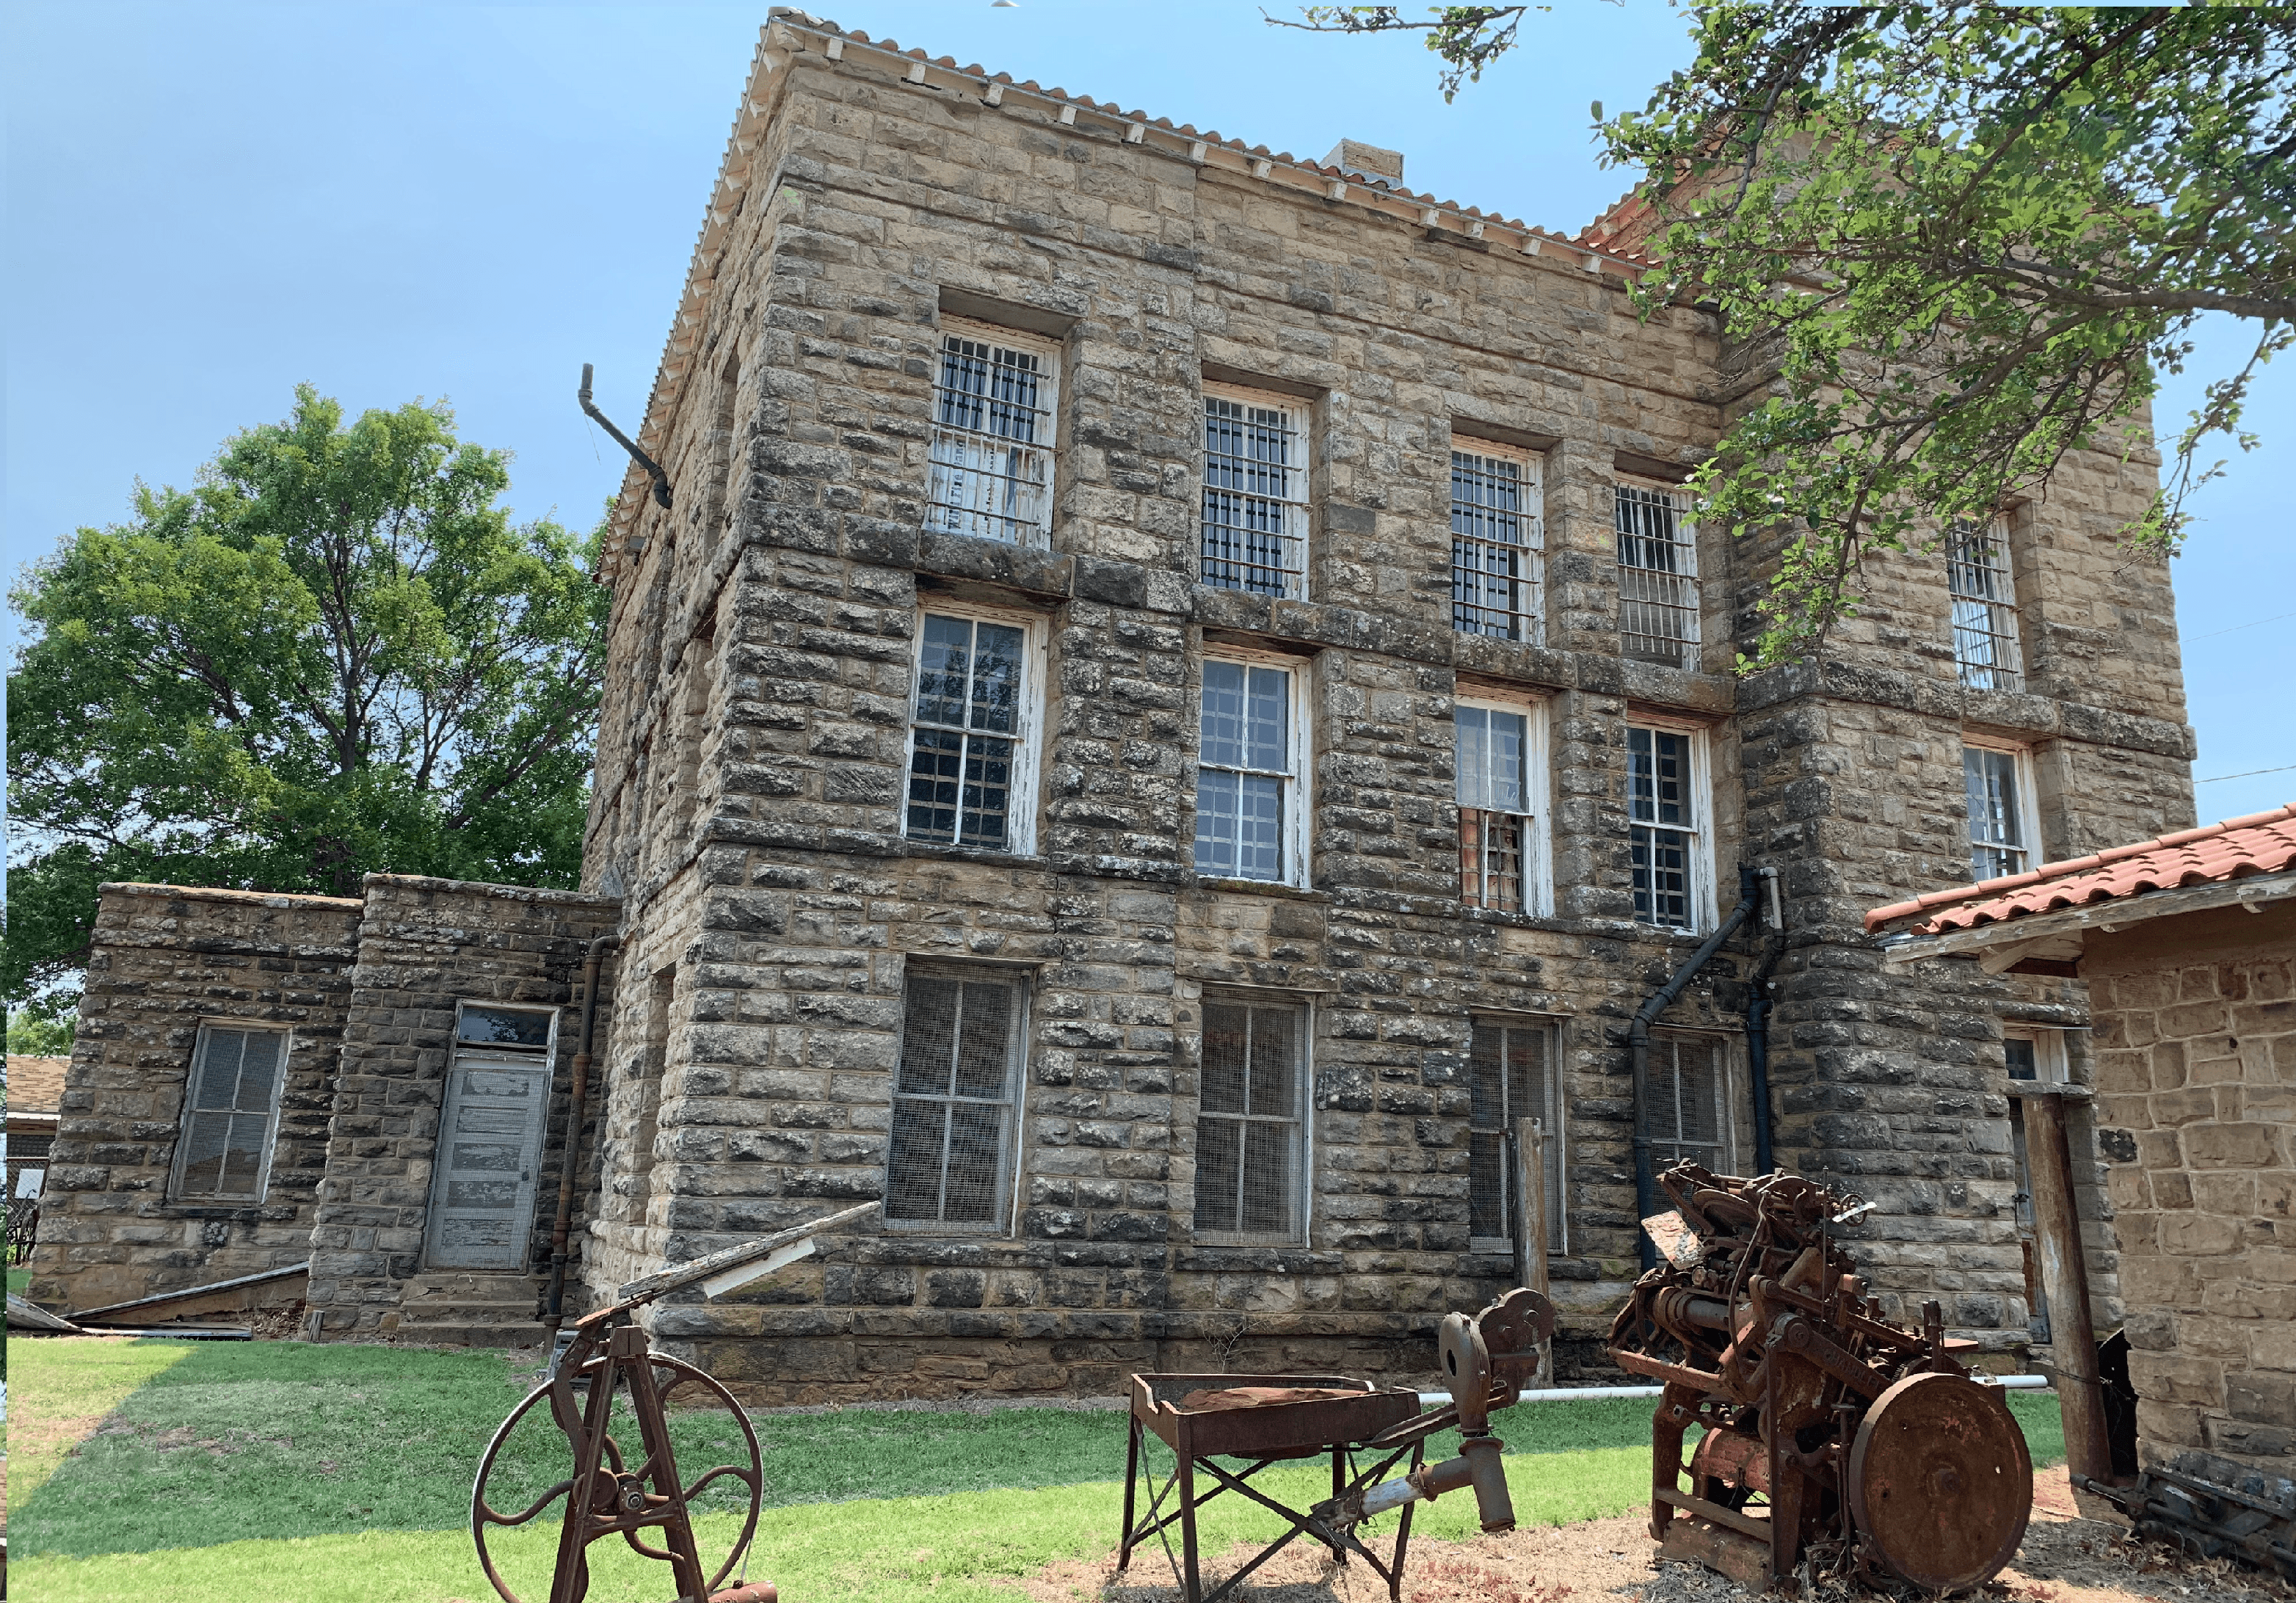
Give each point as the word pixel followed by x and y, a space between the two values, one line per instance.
pixel 1496 566
pixel 965 731
pixel 993 431
pixel 949 1160
pixel 1255 513
pixel 228 1109
pixel 1680 1102
pixel 1663 809
pixel 1510 1071
pixel 1243 774
pixel 1985 646
pixel 1658 576
pixel 1492 758
pixel 1997 812
pixel 1248 1121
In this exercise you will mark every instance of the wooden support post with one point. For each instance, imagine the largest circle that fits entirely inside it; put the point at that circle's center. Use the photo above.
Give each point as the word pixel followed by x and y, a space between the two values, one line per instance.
pixel 1532 1225
pixel 2064 1278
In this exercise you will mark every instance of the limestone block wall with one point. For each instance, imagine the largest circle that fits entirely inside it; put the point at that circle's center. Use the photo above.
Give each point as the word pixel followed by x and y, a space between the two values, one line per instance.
pixel 2196 1081
pixel 424 945
pixel 163 960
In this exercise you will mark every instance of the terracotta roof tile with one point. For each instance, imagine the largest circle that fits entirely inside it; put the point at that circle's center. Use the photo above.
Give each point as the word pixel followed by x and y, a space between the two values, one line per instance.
pixel 2262 843
pixel 35 1085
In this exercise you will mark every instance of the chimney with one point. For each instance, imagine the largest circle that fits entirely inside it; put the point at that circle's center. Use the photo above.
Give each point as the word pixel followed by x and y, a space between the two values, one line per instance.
pixel 1367 161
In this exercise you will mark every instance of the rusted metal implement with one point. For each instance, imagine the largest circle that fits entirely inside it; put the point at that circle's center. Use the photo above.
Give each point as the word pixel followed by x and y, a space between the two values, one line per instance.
pixel 1834 1439
pixel 1263 1420
pixel 641 1496
pixel 2211 1507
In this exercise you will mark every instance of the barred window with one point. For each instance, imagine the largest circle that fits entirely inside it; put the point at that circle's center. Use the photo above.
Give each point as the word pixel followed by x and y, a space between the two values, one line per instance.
pixel 1247 805
pixel 231 1112
pixel 1248 1121
pixel 1498 767
pixel 1684 1115
pixel 949 1161
pixel 1985 649
pixel 972 753
pixel 1498 575
pixel 993 431
pixel 1665 796
pixel 1658 576
pixel 1998 795
pixel 1255 513
pixel 1510 1066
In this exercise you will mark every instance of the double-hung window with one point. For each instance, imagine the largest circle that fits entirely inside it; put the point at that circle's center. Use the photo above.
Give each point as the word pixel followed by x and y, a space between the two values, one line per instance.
pixel 1667 803
pixel 1497 543
pixel 1251 814
pixel 1998 784
pixel 992 439
pixel 1255 512
pixel 972 735
pixel 950 1158
pixel 1683 1102
pixel 230 1113
pixel 1658 575
pixel 1501 767
pixel 1985 649
pixel 1250 1121
pixel 1511 1065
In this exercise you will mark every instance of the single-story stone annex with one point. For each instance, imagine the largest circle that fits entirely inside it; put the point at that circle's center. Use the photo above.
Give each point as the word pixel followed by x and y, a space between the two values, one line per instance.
pixel 1164 705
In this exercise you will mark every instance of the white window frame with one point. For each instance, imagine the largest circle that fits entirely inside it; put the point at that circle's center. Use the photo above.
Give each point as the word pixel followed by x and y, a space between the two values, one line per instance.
pixel 1298 791
pixel 1988 652
pixel 1700 831
pixel 1290 568
pixel 2051 1064
pixel 1021 814
pixel 547 1050
pixel 2028 817
pixel 188 1111
pixel 952 510
pixel 1005 1189
pixel 1526 624
pixel 1303 1151
pixel 1537 889
pixel 1725 1096
pixel 1552 1120
pixel 1687 598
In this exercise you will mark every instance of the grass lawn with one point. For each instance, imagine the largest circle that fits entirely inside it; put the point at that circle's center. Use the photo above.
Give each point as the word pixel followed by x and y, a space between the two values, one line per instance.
pixel 18 1279
pixel 322 1463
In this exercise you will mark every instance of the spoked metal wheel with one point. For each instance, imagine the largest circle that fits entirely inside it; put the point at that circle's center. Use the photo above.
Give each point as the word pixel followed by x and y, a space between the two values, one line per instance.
pixel 636 1488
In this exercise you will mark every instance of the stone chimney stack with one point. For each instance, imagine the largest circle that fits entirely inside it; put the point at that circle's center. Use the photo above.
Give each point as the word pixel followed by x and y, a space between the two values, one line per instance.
pixel 1367 161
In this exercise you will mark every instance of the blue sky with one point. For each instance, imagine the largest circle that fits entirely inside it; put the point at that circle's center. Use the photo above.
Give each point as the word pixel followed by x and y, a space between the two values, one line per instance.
pixel 209 203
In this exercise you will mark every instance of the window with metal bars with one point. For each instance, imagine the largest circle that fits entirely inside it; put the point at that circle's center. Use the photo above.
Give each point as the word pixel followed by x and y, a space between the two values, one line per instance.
pixel 1249 1121
pixel 1658 575
pixel 1511 1073
pixel 971 746
pixel 1248 823
pixel 1985 647
pixel 231 1111
pixel 2000 826
pixel 1666 798
pixel 1681 1102
pixel 1498 765
pixel 1498 575
pixel 993 432
pixel 949 1161
pixel 1255 512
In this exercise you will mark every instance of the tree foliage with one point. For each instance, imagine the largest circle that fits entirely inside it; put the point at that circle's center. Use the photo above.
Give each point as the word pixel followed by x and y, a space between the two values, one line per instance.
pixel 335 655
pixel 1970 237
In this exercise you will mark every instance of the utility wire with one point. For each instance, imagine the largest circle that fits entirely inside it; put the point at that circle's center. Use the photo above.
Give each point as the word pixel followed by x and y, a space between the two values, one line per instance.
pixel 2252 773
pixel 2236 629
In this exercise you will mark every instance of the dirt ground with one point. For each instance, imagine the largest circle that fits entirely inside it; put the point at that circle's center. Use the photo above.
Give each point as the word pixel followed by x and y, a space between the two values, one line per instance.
pixel 2065 1559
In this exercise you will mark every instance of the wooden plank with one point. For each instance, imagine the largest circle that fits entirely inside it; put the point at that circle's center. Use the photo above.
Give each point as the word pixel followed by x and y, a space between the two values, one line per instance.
pixel 701 1269
pixel 1742 1523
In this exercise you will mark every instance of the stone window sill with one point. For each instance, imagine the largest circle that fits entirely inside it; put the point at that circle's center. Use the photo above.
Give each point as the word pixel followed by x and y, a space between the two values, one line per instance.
pixel 1258 887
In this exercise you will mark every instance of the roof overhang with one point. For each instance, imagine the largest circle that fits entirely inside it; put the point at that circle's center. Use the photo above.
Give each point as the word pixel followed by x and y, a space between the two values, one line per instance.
pixel 2051 943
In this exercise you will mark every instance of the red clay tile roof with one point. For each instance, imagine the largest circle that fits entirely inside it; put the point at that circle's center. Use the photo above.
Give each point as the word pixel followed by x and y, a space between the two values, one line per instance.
pixel 2263 843
pixel 35 1085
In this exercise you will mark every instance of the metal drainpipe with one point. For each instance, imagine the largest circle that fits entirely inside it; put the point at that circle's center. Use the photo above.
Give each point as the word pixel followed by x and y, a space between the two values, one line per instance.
pixel 1646 1196
pixel 660 478
pixel 1758 1025
pixel 569 1162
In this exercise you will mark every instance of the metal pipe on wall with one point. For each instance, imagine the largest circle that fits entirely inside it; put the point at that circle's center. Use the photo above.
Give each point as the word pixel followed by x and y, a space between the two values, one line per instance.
pixel 1758 1025
pixel 569 1159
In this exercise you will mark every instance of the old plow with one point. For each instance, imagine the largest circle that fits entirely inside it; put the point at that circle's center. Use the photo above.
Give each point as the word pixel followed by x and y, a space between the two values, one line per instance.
pixel 1834 1441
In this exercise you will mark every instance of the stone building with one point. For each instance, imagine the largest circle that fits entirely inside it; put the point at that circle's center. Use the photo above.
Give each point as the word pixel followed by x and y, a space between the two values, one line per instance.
pixel 2187 945
pixel 1164 699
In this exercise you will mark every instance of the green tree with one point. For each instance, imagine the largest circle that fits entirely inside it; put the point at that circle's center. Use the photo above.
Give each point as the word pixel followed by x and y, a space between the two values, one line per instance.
pixel 1972 237
pixel 335 655
pixel 33 1034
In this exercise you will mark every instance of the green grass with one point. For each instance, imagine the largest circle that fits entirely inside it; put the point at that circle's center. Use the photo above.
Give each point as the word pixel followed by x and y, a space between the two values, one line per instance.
pixel 18 1280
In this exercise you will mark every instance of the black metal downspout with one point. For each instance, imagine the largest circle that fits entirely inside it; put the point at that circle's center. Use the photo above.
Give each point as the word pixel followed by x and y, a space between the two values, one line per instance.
pixel 1646 1197
pixel 660 478
pixel 569 1161
pixel 1758 1028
